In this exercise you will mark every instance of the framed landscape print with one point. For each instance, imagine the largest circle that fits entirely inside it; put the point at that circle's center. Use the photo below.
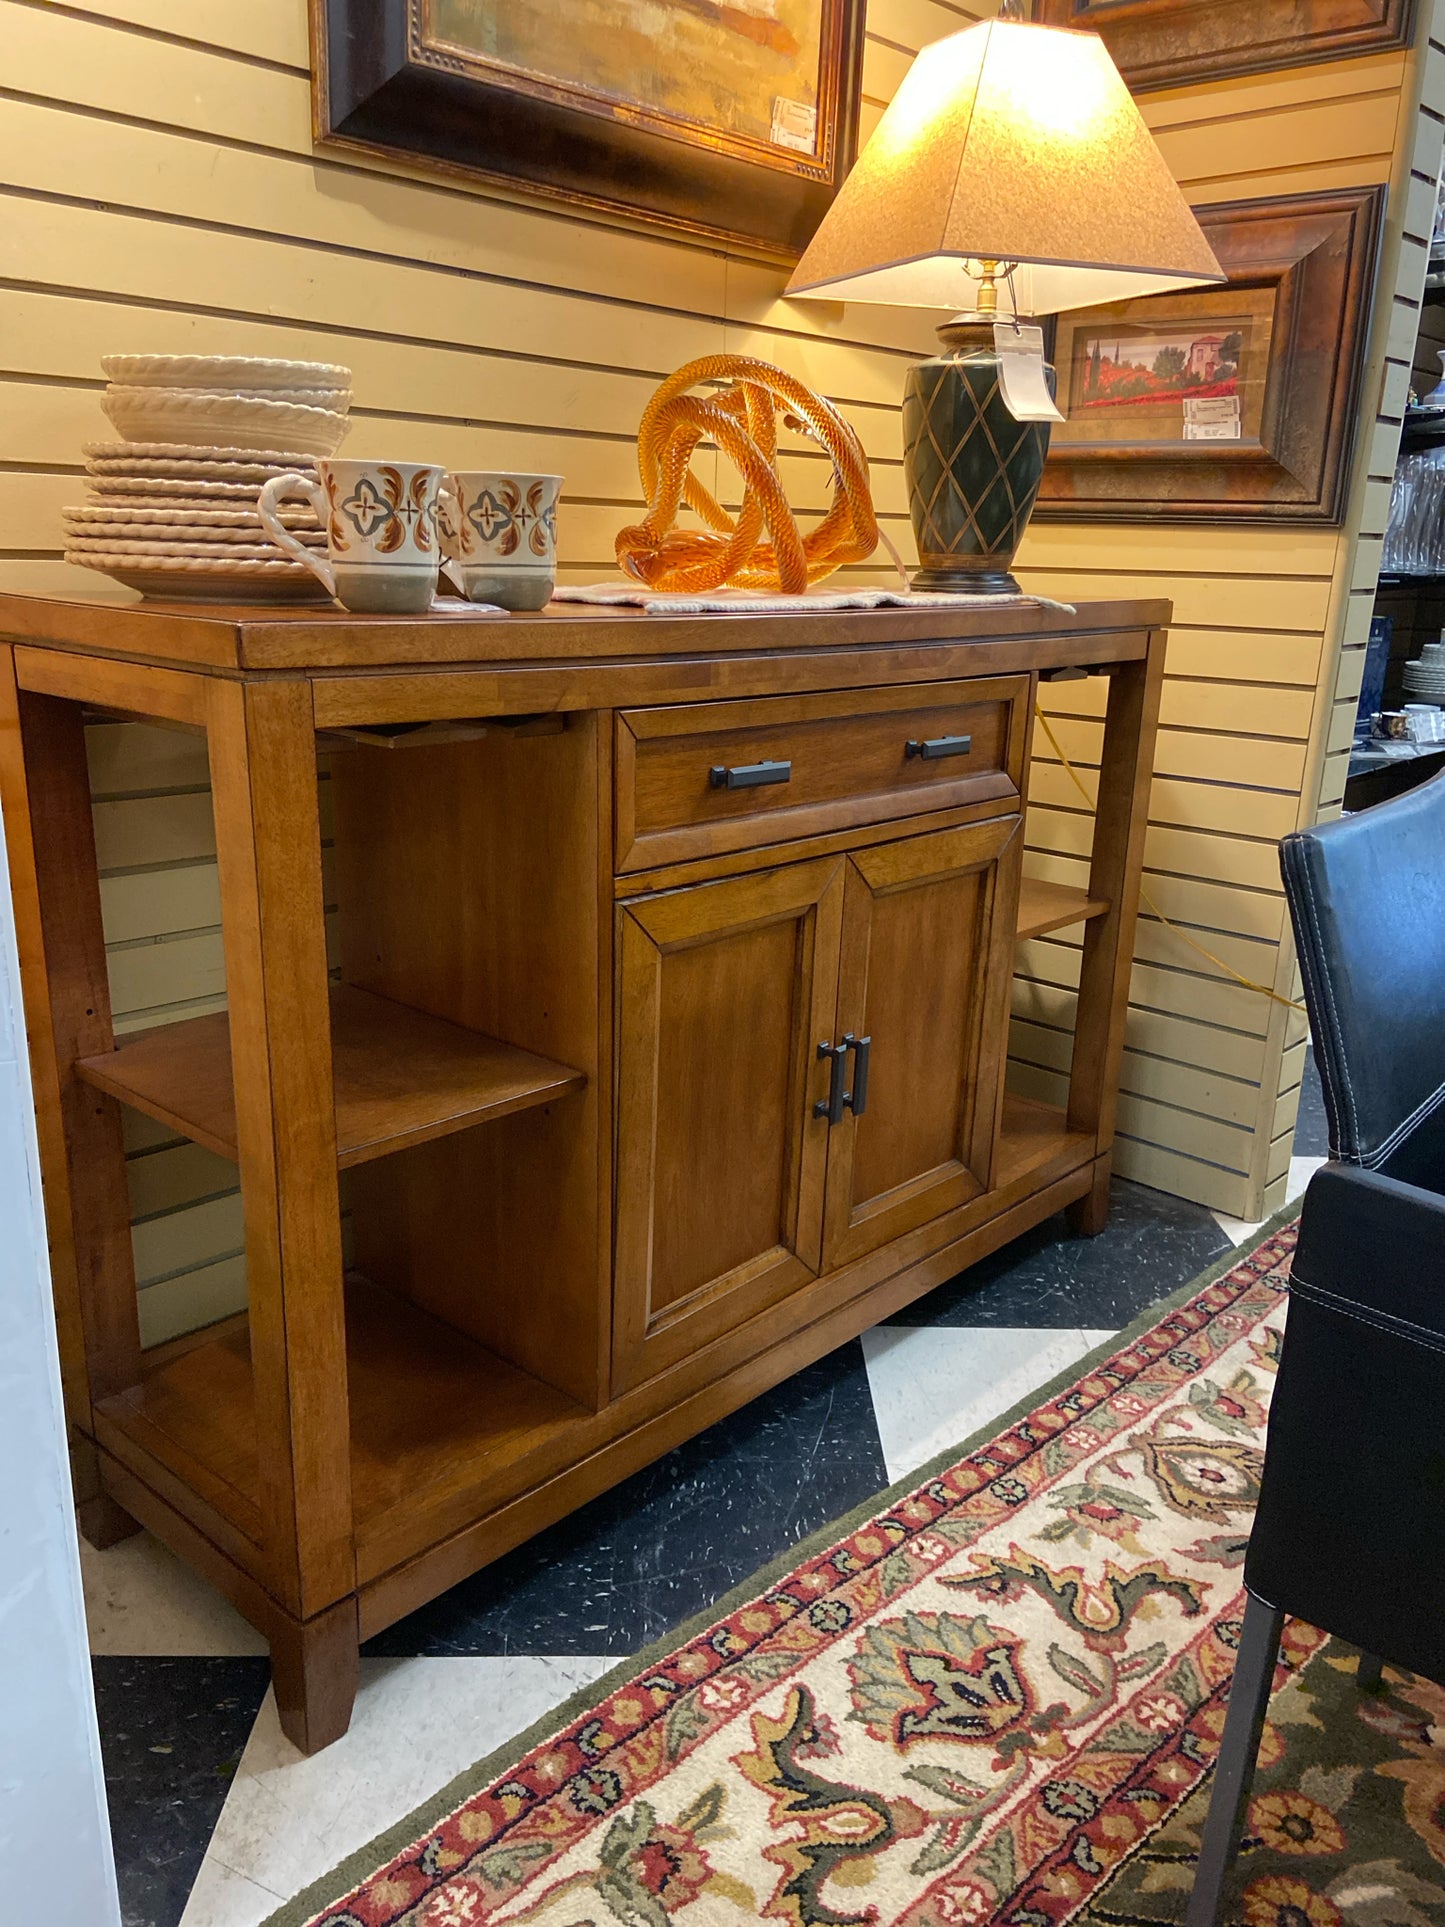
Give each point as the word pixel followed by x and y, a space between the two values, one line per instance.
pixel 733 119
pixel 1223 404
pixel 1167 43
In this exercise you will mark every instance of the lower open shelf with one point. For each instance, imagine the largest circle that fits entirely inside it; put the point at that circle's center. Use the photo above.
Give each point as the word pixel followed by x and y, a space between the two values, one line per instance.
pixel 430 1409
pixel 437 1420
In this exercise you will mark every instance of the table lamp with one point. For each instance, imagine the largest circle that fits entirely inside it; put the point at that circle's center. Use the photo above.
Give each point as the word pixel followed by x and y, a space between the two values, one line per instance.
pixel 1012 160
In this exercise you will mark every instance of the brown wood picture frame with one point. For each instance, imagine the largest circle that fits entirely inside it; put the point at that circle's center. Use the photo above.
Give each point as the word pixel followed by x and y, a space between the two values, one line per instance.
pixel 1310 260
pixel 1170 43
pixel 386 78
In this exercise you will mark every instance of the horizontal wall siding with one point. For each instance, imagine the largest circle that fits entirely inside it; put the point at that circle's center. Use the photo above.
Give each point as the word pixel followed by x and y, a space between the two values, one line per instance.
pixel 1404 353
pixel 1257 617
pixel 159 191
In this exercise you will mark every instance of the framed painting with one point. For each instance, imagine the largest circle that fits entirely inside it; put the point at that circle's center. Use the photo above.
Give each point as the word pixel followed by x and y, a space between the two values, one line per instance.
pixel 1168 43
pixel 731 119
pixel 1223 404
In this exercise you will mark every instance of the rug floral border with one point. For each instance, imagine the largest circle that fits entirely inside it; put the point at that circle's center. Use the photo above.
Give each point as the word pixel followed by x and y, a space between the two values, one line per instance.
pixel 483 1805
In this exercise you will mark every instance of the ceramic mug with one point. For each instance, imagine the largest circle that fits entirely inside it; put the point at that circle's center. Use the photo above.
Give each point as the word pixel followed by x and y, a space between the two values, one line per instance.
pixel 499 534
pixel 382 547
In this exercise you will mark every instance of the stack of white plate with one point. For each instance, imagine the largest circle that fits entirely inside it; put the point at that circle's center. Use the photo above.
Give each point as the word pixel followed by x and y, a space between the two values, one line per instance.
pixel 1425 676
pixel 171 510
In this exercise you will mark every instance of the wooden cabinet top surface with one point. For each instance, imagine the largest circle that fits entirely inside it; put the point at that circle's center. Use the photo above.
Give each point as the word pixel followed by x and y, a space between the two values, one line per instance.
pixel 315 639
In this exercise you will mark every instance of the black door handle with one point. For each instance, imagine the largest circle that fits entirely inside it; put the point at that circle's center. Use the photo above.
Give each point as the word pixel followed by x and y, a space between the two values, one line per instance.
pixel 930 748
pixel 857 1098
pixel 748 776
pixel 831 1106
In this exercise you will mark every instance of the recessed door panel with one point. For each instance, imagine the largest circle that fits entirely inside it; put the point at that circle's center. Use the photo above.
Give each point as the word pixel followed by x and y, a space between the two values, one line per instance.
pixel 927 957
pixel 724 992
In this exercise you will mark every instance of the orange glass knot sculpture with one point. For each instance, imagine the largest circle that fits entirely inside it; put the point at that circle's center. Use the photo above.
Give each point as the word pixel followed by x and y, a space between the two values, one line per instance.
pixel 743 422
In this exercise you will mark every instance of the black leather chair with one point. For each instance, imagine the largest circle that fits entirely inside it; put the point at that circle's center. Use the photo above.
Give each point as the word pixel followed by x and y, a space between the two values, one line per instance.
pixel 1350 1530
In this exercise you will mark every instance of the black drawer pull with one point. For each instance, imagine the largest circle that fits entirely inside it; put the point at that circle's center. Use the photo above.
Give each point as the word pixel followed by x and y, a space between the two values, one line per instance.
pixel 831 1106
pixel 932 747
pixel 857 1098
pixel 748 776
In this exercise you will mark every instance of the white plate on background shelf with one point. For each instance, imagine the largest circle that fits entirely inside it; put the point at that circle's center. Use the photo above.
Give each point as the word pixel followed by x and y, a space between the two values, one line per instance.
pixel 187 415
pixel 222 371
pixel 181 580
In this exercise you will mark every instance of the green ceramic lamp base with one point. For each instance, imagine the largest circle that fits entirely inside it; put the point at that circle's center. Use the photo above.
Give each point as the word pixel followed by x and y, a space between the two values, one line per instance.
pixel 973 471
pixel 965 581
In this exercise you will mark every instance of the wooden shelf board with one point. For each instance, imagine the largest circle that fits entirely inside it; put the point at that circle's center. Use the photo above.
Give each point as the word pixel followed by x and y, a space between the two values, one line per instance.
pixel 1033 1135
pixel 402 1077
pixel 1049 906
pixel 433 1412
pixel 429 1407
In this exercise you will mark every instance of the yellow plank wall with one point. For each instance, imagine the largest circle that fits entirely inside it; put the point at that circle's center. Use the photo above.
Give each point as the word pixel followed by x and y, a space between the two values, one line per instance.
pixel 161 192
pixel 1259 699
pixel 1403 354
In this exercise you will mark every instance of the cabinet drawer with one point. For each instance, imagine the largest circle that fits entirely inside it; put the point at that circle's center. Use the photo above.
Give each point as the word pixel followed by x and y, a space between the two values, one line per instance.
pixel 699 779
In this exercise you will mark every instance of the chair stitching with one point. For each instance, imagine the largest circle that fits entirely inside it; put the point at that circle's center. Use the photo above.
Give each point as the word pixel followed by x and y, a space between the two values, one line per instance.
pixel 1406 1128
pixel 1336 1041
pixel 1378 1321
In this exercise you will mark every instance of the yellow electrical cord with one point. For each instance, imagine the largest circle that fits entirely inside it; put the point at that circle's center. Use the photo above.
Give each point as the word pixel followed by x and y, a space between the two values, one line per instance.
pixel 1193 942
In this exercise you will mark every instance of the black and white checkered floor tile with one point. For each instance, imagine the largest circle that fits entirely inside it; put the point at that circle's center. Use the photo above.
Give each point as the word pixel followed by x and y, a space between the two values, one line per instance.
pixel 216 1818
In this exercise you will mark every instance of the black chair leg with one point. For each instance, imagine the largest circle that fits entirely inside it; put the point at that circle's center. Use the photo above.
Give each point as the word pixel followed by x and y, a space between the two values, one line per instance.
pixel 1371 1675
pixel 1234 1772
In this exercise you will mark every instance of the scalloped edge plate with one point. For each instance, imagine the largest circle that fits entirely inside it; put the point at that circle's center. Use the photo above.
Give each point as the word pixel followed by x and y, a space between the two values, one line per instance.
pixel 193 514
pixel 184 539
pixel 206 549
pixel 181 581
pixel 222 371
pixel 106 490
pixel 196 452
pixel 193 416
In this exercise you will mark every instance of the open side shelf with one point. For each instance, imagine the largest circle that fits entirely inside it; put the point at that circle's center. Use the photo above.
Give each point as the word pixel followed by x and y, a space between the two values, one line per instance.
pixel 402 1077
pixel 1033 1135
pixel 1049 906
pixel 435 1416
pixel 429 1407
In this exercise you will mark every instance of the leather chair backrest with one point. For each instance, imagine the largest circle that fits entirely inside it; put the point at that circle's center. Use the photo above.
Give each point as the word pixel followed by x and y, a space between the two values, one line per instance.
pixel 1367 896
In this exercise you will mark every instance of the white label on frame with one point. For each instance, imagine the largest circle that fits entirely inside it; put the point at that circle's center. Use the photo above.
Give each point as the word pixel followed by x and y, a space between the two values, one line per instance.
pixel 1211 418
pixel 1021 373
pixel 795 125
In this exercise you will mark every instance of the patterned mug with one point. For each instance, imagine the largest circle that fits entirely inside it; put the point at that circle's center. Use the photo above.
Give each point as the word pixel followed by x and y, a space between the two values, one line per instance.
pixel 382 549
pixel 499 534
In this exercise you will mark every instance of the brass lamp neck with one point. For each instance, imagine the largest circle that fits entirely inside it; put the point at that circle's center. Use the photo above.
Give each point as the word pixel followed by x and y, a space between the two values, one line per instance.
pixel 974 327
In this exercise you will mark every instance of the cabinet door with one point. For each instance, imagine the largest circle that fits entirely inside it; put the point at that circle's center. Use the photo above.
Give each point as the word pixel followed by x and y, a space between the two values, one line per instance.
pixel 927 960
pixel 724 993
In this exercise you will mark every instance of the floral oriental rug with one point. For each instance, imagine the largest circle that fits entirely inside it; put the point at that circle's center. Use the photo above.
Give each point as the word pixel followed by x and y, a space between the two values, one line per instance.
pixel 993 1701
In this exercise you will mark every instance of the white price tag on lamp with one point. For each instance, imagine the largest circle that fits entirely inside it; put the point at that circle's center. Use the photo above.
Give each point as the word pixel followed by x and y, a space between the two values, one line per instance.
pixel 1021 375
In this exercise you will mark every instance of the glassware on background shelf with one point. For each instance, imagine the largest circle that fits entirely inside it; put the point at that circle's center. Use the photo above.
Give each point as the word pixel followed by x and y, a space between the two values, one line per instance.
pixel 1415 528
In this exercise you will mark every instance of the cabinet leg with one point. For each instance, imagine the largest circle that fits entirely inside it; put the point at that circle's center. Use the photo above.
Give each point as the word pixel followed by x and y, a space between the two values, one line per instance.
pixel 315 1669
pixel 103 1522
pixel 1088 1215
